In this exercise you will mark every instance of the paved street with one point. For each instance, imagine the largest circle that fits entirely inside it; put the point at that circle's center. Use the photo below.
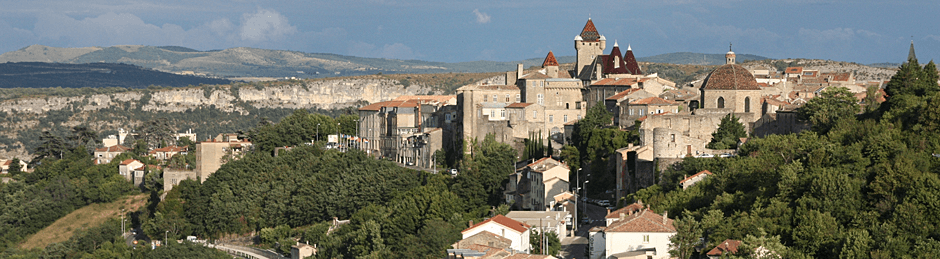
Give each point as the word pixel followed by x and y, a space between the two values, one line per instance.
pixel 574 247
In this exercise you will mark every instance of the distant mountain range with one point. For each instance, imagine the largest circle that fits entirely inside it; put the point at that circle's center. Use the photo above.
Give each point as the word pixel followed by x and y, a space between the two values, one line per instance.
pixel 95 75
pixel 251 62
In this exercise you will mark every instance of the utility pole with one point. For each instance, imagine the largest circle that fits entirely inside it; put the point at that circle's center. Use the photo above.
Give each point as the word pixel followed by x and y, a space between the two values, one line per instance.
pixel 318 132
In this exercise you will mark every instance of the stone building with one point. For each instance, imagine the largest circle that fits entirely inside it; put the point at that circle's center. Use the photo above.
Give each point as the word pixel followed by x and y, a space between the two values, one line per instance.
pixel 534 186
pixel 731 86
pixel 212 154
pixel 409 129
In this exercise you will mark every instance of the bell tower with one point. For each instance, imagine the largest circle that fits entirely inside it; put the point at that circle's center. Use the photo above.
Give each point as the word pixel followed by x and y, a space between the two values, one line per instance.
pixel 589 44
pixel 729 57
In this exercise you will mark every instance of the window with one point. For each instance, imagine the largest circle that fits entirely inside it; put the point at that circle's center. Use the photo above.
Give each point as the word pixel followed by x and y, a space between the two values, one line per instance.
pixel 673 137
pixel 551 118
pixel 631 112
pixel 535 114
pixel 646 238
pixel 642 111
pixel 579 116
pixel 518 98
pixel 486 98
pixel 747 104
pixel 502 114
pixel 494 99
pixel 616 62
pixel 721 102
pixel 541 99
pixel 577 105
pixel 492 114
pixel 567 106
pixel 566 118
pixel 507 98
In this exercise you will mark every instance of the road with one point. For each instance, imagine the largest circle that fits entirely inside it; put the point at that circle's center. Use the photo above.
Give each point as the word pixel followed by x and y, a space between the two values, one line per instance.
pixel 246 252
pixel 575 247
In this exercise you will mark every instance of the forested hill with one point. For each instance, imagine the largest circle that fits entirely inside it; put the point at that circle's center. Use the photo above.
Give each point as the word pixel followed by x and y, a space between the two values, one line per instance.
pixel 94 75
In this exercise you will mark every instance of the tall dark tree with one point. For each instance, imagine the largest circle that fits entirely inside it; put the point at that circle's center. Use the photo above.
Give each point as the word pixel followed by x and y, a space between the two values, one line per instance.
pixel 52 146
pixel 157 132
pixel 728 133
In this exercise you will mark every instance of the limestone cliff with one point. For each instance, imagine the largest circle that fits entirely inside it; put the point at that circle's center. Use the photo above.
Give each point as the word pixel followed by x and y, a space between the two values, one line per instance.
pixel 232 104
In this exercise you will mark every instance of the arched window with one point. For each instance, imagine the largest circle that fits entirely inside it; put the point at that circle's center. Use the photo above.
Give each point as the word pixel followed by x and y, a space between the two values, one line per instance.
pixel 721 102
pixel 747 104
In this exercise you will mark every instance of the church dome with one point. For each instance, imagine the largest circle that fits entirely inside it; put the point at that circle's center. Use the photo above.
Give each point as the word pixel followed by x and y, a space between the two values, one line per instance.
pixel 730 77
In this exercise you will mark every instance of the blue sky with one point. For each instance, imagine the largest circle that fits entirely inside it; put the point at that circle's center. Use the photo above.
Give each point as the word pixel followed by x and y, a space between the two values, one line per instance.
pixel 454 31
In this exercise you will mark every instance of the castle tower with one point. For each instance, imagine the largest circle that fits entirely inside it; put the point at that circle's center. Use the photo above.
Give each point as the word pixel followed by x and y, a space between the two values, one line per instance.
pixel 550 65
pixel 589 44
pixel 729 57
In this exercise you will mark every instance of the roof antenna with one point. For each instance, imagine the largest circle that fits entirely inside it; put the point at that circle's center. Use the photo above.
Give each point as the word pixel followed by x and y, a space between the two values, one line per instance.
pixel 729 46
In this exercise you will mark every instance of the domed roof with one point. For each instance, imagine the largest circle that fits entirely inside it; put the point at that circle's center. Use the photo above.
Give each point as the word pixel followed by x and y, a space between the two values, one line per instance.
pixel 730 77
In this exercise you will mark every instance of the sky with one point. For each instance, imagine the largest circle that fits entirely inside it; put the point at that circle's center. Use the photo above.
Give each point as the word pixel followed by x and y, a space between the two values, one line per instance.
pixel 860 31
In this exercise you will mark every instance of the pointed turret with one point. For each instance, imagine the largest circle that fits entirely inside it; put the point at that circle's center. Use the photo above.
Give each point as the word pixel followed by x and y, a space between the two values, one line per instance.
pixel 630 62
pixel 589 33
pixel 550 65
pixel 589 45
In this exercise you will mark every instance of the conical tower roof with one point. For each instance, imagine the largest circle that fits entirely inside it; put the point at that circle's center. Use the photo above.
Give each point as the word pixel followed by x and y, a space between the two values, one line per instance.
pixel 910 54
pixel 550 60
pixel 589 33
pixel 630 62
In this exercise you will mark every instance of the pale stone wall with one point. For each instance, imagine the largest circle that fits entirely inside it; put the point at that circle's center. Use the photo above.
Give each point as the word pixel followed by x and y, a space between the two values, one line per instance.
pixel 619 242
pixel 172 177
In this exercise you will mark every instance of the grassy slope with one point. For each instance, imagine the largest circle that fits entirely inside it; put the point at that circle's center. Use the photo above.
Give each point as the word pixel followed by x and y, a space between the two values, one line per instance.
pixel 88 216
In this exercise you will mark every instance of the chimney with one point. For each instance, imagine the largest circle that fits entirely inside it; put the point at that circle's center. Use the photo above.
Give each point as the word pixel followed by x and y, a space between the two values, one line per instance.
pixel 608 211
pixel 639 202
pixel 622 215
pixel 471 223
pixel 519 71
pixel 665 213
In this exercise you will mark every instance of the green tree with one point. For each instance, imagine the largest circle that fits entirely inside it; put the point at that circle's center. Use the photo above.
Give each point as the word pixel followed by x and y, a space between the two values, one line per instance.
pixel 688 232
pixel 537 239
pixel 729 131
pixel 833 105
pixel 15 167
pixel 52 146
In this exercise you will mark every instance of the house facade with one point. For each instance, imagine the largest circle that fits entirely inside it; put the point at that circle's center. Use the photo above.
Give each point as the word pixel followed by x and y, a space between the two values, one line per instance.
pixel 502 226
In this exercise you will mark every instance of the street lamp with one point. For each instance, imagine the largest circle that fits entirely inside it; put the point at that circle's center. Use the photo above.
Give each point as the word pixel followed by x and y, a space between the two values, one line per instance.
pixel 318 132
pixel 164 237
pixel 577 199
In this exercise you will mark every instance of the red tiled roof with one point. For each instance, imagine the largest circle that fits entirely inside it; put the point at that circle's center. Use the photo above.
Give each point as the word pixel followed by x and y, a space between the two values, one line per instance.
pixel 589 33
pixel 518 105
pixel 626 210
pixel 728 245
pixel 794 70
pixel 502 220
pixel 128 161
pixel 730 77
pixel 616 81
pixel 550 60
pixel 694 175
pixel 373 107
pixel 8 162
pixel 115 148
pixel 528 256
pixel 536 75
pixel 489 87
pixel 653 101
pixel 644 221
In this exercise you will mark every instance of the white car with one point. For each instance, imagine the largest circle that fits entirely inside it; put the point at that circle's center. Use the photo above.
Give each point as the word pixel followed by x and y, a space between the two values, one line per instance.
pixel 453 171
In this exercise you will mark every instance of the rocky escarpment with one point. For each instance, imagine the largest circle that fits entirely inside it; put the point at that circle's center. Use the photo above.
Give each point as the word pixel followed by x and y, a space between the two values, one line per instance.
pixel 107 112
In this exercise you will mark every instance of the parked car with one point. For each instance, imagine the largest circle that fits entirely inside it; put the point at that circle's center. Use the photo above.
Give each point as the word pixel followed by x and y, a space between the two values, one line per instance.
pixel 453 171
pixel 603 203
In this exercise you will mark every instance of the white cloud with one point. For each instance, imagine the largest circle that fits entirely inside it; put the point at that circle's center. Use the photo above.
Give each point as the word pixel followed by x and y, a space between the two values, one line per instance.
pixel 481 17
pixel 265 25
pixel 389 51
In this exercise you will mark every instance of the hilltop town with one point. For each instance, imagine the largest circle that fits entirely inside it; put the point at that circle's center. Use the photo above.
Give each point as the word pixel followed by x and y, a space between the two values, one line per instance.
pixel 517 152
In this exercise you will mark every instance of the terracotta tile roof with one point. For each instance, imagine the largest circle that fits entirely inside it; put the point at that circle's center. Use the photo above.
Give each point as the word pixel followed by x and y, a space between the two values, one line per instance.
pixel 837 77
pixel 7 162
pixel 626 210
pixel 572 122
pixel 504 221
pixel 518 105
pixel 730 77
pixel 589 33
pixel 695 175
pixel 169 149
pixel 550 60
pixel 644 221
pixel 794 70
pixel 488 251
pixel 653 101
pixel 776 102
pixel 563 197
pixel 426 98
pixel 488 87
pixel 616 81
pixel 128 161
pixel 373 107
pixel 115 148
pixel 147 166
pixel 728 245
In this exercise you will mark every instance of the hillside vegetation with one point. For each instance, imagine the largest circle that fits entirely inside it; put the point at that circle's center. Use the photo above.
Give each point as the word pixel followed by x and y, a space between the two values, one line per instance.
pixel 87 217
